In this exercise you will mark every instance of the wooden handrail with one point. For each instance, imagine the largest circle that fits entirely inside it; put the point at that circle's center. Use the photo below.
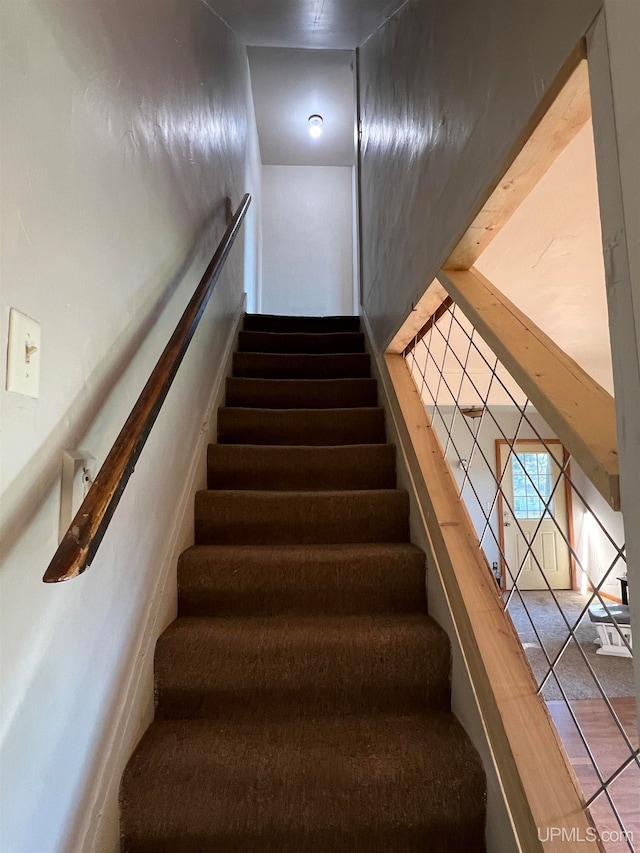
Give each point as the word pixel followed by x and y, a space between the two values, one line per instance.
pixel 442 309
pixel 80 543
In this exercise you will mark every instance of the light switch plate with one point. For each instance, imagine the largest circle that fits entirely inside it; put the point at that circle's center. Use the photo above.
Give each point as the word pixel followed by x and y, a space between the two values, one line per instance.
pixel 23 355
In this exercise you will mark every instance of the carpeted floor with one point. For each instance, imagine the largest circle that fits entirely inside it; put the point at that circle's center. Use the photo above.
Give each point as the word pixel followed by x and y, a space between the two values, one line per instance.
pixel 303 692
pixel 614 673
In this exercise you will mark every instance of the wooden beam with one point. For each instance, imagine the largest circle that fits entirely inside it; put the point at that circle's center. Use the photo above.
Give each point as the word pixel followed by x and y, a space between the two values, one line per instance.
pixel 565 116
pixel 421 313
pixel 578 409
pixel 539 783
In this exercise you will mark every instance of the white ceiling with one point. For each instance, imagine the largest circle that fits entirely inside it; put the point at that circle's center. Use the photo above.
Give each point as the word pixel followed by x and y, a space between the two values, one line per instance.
pixel 289 86
pixel 548 259
pixel 327 24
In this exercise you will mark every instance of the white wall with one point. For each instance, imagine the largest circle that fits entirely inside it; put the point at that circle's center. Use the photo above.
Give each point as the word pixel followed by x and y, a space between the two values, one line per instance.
pixel 307 240
pixel 124 126
pixel 482 462
pixel 593 548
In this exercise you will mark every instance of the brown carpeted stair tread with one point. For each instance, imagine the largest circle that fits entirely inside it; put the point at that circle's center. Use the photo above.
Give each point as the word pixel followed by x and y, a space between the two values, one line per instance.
pixel 298 342
pixel 248 466
pixel 227 517
pixel 301 393
pixel 301 366
pixel 359 784
pixel 308 325
pixel 243 580
pixel 283 666
pixel 301 426
pixel 303 694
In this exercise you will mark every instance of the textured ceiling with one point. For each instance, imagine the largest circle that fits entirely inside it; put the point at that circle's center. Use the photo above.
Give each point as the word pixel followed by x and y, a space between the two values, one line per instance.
pixel 289 86
pixel 327 24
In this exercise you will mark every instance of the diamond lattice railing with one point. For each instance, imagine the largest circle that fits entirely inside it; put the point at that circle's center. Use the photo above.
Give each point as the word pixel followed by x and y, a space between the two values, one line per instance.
pixel 555 548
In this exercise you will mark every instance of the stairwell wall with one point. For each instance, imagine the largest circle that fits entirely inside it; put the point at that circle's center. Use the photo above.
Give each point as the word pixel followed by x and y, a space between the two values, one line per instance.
pixel 124 127
pixel 445 92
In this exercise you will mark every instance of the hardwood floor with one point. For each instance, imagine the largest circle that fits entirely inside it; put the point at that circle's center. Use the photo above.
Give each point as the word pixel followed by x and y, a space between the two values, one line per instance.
pixel 609 750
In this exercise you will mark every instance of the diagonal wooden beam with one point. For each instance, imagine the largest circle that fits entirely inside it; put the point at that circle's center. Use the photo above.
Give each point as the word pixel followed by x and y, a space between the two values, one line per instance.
pixel 578 409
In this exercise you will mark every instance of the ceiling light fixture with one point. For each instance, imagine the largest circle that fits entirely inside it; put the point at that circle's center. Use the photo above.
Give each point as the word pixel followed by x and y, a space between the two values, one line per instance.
pixel 315 125
pixel 473 412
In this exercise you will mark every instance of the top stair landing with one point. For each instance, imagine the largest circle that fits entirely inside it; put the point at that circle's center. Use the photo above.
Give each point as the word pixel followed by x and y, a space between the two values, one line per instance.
pixel 308 325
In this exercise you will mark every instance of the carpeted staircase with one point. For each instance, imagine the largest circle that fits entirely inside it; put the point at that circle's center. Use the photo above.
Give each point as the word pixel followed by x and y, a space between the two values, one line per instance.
pixel 302 694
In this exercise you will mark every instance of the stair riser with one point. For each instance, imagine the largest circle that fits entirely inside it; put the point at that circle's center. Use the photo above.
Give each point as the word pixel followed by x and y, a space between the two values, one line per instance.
pixel 269 518
pixel 232 466
pixel 378 696
pixel 277 366
pixel 298 343
pixel 260 584
pixel 284 676
pixel 309 394
pixel 317 427
pixel 306 325
pixel 218 601
pixel 444 837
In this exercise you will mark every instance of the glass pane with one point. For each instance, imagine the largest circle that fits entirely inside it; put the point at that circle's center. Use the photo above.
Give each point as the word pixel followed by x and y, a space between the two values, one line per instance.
pixel 532 477
pixel 544 464
pixel 534 507
pixel 518 477
pixel 530 464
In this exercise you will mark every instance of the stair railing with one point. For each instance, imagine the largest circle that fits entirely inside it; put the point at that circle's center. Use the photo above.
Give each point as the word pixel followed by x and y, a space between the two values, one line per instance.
pixel 81 541
pixel 476 354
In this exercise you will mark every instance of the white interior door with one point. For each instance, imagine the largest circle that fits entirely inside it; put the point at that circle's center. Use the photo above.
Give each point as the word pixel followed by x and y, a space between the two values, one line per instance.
pixel 535 538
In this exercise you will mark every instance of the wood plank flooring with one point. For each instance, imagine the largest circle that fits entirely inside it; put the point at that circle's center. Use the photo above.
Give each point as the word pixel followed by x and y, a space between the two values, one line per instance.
pixel 609 750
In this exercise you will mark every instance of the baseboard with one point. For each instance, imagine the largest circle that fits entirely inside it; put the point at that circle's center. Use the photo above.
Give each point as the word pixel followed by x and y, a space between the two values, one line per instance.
pixel 97 832
pixel 606 595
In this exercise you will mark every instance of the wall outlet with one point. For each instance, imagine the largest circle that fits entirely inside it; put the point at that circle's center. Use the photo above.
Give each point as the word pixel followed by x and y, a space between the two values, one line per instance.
pixel 23 355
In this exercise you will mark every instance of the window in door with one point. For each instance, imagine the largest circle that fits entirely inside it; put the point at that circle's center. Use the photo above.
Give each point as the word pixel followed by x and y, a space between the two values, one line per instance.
pixel 531 478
